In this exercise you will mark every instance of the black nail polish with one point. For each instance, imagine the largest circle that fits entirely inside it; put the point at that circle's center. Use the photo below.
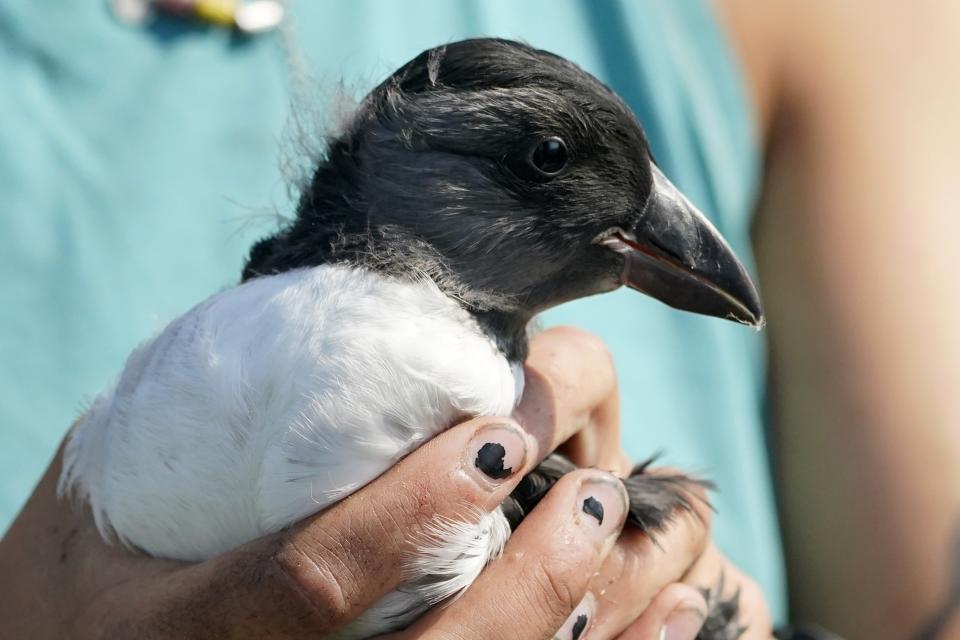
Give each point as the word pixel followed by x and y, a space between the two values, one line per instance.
pixel 490 461
pixel 592 506
pixel 579 626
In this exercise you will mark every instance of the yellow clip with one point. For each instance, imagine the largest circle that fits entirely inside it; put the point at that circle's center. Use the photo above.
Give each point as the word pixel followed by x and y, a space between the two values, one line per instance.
pixel 222 12
pixel 247 16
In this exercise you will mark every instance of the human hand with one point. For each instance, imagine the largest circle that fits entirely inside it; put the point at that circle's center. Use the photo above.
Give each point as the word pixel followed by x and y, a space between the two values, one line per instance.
pixel 616 594
pixel 595 425
pixel 63 581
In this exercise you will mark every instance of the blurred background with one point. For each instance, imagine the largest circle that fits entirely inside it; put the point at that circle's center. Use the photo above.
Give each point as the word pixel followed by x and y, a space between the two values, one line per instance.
pixel 143 149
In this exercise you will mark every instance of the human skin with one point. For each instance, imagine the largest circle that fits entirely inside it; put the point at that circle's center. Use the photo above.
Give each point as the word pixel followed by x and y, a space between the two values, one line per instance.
pixel 62 581
pixel 857 103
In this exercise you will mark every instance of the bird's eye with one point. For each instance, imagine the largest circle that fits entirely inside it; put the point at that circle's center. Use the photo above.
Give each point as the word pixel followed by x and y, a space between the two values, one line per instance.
pixel 549 156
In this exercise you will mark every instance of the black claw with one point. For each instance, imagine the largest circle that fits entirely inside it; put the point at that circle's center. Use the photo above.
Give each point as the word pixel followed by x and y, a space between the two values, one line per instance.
pixel 722 621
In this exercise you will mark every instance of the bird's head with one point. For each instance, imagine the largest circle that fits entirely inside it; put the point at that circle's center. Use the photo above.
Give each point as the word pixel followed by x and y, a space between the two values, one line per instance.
pixel 515 180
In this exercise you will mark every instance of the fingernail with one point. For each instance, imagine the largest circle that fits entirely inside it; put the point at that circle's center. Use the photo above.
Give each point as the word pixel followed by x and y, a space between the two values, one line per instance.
pixel 495 453
pixel 684 623
pixel 601 506
pixel 576 626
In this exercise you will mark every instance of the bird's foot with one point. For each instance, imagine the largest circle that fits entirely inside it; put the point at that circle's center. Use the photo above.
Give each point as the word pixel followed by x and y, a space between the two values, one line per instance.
pixel 722 621
pixel 656 498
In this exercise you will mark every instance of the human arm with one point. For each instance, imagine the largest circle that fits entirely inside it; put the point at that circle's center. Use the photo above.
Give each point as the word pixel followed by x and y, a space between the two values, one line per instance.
pixel 856 244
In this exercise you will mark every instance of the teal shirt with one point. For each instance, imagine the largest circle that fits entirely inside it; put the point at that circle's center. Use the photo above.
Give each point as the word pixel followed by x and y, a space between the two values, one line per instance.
pixel 137 165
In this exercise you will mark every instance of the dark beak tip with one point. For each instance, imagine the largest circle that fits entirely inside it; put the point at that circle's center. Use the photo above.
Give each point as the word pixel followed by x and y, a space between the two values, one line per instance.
pixel 751 312
pixel 676 255
pixel 746 316
pixel 758 323
pixel 760 319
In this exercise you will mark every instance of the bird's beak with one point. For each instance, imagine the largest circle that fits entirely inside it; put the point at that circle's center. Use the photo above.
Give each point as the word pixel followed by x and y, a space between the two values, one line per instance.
pixel 675 255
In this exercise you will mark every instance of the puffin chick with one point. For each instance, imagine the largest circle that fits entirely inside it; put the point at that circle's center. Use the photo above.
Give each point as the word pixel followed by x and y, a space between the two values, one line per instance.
pixel 482 183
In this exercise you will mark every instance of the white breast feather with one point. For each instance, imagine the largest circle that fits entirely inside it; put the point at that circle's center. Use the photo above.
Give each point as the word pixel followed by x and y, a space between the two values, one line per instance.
pixel 270 401
pixel 448 560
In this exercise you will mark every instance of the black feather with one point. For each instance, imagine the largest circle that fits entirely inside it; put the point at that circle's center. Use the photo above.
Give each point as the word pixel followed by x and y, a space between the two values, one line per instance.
pixel 534 486
pixel 654 498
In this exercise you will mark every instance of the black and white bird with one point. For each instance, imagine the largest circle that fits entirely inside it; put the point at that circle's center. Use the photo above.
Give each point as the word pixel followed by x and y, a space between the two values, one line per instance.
pixel 482 183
